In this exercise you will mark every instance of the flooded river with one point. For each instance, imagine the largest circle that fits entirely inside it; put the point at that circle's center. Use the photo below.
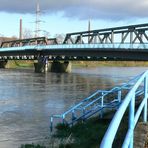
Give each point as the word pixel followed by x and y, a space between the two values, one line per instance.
pixel 27 99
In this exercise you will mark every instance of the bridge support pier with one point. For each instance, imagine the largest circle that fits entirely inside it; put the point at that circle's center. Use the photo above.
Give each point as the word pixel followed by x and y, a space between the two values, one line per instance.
pixel 60 67
pixel 3 63
pixel 41 65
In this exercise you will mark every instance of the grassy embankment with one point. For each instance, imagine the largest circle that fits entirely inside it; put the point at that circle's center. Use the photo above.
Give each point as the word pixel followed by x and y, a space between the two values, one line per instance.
pixel 25 64
pixel 87 134
pixel 19 64
pixel 110 64
pixel 82 135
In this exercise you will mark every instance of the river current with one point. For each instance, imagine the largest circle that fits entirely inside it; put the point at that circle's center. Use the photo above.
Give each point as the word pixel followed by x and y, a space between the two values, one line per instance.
pixel 27 99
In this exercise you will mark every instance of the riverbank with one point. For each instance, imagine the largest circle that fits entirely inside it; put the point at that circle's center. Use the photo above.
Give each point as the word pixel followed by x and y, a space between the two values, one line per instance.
pixel 19 64
pixel 86 134
pixel 26 63
pixel 110 64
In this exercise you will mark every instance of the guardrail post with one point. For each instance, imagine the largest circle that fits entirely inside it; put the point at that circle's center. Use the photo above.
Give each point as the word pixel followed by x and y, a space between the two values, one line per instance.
pixel 102 99
pixel 83 114
pixel 73 116
pixel 102 103
pixel 145 97
pixel 51 124
pixel 63 119
pixel 131 119
pixel 119 96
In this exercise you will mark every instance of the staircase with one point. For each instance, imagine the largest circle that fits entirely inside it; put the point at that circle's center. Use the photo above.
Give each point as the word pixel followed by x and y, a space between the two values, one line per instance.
pixel 98 102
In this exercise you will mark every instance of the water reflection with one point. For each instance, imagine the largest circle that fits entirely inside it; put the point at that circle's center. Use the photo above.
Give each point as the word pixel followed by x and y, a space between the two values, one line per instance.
pixel 28 99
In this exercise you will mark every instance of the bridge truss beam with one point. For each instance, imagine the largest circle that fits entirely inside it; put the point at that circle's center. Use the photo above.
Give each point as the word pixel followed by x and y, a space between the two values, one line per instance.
pixel 126 34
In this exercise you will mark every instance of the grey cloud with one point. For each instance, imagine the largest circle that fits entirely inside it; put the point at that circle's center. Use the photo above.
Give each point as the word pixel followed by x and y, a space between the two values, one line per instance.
pixel 82 9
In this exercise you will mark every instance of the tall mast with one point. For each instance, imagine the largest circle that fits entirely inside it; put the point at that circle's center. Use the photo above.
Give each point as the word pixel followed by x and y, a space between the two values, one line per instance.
pixel 37 22
pixel 20 31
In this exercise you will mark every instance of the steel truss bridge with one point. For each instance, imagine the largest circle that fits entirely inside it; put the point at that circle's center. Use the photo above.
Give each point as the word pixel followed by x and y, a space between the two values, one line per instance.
pixel 118 43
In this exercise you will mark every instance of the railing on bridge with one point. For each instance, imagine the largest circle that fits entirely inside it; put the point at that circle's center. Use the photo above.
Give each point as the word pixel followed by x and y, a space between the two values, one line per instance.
pixel 98 102
pixel 85 47
pixel 29 41
pixel 129 101
pixel 95 45
pixel 124 34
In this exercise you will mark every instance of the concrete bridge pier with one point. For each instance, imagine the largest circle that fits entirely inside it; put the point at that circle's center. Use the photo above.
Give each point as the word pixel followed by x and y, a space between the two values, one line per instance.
pixel 60 67
pixel 3 63
pixel 41 65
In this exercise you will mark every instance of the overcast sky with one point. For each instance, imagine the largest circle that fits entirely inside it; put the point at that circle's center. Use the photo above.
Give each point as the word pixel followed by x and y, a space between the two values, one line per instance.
pixel 70 13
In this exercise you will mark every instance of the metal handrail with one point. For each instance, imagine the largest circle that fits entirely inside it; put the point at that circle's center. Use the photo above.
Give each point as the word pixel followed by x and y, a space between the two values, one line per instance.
pixel 129 101
pixel 97 99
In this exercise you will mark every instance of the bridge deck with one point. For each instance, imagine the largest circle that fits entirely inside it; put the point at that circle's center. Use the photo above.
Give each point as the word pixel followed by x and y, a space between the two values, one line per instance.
pixel 87 52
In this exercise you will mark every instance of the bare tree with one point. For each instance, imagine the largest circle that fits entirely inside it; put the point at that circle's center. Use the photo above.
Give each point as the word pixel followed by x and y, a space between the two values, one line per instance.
pixel 27 33
pixel 46 34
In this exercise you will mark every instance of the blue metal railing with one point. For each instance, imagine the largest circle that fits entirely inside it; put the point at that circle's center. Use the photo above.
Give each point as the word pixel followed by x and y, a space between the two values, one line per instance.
pixel 129 101
pixel 97 102
pixel 118 46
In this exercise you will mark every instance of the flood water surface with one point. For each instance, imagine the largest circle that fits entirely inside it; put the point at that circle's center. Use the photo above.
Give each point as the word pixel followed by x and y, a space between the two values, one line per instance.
pixel 27 99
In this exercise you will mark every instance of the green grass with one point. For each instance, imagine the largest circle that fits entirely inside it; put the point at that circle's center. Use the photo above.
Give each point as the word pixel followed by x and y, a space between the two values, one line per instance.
pixel 19 64
pixel 84 135
pixel 26 63
pixel 110 63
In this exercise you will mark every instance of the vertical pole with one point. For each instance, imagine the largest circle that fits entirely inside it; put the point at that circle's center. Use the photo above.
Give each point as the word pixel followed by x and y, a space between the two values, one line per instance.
pixel 131 37
pixel 145 97
pixel 63 119
pixel 122 36
pixel 20 33
pixel 131 119
pixel 106 38
pixel 102 100
pixel 102 104
pixel 73 115
pixel 37 22
pixel 51 124
pixel 119 96
pixel 80 38
pixel 141 36
pixel 112 37
pixel 83 114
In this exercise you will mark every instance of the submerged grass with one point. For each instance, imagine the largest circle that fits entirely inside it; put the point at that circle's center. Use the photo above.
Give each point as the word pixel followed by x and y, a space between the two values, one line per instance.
pixel 82 135
pixel 88 134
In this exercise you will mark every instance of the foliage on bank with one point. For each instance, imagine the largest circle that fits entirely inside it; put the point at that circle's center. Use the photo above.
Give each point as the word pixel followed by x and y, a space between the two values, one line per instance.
pixel 26 63
pixel 110 64
pixel 86 134
pixel 19 64
pixel 82 135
